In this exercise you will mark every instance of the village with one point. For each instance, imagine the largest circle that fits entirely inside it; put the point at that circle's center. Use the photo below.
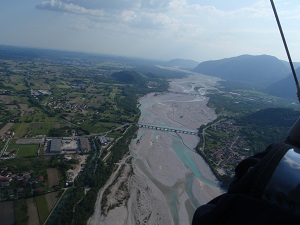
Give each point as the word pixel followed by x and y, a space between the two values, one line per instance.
pixel 224 146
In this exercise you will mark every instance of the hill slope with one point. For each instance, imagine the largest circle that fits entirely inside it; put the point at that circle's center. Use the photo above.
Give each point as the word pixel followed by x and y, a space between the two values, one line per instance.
pixel 129 77
pixel 267 126
pixel 284 88
pixel 182 63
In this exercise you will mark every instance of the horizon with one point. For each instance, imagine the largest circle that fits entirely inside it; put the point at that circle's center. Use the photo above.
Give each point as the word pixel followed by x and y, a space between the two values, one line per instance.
pixel 158 30
pixel 133 57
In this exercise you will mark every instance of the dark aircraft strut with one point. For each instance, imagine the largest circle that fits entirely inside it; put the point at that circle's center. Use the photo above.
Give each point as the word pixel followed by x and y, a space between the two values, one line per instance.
pixel 287 50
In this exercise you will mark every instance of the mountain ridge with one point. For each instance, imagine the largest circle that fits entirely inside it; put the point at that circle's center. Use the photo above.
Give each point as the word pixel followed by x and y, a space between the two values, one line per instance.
pixel 285 88
pixel 264 69
pixel 182 63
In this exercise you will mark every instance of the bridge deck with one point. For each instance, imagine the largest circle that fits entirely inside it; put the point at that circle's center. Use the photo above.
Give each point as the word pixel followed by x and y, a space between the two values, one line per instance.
pixel 175 130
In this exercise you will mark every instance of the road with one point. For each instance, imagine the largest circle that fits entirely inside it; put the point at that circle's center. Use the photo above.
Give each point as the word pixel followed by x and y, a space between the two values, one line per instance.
pixel 5 147
pixel 65 189
pixel 108 149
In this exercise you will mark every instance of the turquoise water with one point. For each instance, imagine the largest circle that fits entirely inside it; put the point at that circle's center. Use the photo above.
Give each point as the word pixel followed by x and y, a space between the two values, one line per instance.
pixel 186 156
pixel 189 190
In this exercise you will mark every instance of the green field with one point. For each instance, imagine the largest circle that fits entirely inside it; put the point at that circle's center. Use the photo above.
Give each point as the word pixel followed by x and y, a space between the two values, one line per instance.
pixel 27 150
pixel 61 86
pixel 22 150
pixel 21 212
pixel 42 208
pixel 35 128
pixel 20 129
pixel 2 144
pixel 18 87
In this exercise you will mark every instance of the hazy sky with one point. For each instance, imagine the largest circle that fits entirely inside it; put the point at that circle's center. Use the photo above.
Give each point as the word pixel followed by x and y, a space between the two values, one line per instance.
pixel 157 29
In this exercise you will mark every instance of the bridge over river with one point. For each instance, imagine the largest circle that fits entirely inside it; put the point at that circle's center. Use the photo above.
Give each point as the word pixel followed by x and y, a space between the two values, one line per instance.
pixel 167 129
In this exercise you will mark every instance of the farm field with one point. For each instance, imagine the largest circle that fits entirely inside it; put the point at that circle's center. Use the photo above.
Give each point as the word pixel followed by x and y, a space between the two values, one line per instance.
pixel 33 216
pixel 53 177
pixel 20 212
pixel 48 94
pixel 31 211
pixel 42 208
pixel 7 213
pixel 22 150
pixel 27 150
pixel 6 128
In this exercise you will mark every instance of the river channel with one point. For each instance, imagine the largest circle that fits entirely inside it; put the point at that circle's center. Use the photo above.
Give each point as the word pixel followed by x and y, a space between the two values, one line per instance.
pixel 166 180
pixel 168 159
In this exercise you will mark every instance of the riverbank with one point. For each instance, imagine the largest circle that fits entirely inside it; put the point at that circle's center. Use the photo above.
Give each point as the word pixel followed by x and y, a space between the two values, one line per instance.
pixel 168 180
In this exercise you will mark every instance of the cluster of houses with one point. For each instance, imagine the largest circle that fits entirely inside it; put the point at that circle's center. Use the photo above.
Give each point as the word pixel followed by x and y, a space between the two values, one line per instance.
pixel 4 138
pixel 104 141
pixel 40 92
pixel 6 135
pixel 66 106
pixel 13 186
pixel 233 149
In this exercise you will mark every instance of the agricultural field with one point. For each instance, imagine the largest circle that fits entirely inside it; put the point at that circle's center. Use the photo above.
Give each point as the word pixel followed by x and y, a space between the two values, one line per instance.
pixel 33 216
pixel 45 94
pixel 53 177
pixel 22 150
pixel 31 211
pixel 38 95
pixel 27 150
pixel 5 128
pixel 42 208
pixel 20 212
pixel 7 213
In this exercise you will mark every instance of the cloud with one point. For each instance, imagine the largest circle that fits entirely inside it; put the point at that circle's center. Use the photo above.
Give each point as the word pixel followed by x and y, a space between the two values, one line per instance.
pixel 149 20
pixel 107 4
pixel 57 5
pixel 155 4
pixel 104 5
pixel 149 14
pixel 168 15
pixel 128 16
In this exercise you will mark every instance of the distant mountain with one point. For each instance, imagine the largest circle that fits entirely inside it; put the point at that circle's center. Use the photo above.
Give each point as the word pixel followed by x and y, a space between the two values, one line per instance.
pixel 285 88
pixel 182 63
pixel 261 69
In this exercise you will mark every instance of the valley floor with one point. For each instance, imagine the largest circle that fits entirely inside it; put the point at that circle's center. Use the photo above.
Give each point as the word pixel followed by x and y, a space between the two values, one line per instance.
pixel 162 180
